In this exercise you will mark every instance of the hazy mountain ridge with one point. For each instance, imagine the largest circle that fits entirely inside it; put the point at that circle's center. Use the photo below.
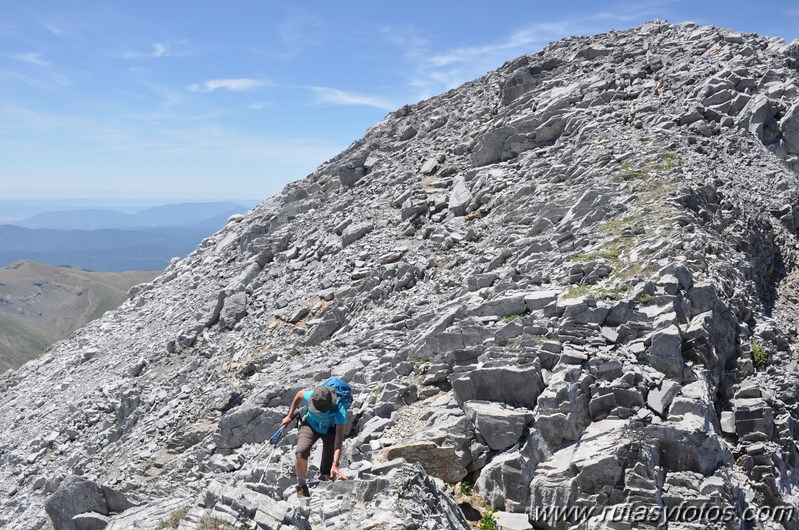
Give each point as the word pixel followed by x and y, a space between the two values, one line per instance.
pixel 104 240
pixel 570 283
pixel 40 305
pixel 181 214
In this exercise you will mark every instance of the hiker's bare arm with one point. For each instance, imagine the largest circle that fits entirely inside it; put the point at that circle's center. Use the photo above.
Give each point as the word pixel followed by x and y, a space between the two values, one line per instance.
pixel 294 403
pixel 334 470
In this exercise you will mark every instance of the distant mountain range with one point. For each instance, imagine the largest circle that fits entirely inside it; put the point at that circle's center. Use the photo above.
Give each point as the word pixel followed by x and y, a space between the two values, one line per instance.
pixel 198 215
pixel 111 240
pixel 40 305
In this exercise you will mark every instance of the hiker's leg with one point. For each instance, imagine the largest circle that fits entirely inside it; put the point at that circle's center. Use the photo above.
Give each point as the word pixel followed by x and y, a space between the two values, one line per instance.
pixel 307 437
pixel 328 446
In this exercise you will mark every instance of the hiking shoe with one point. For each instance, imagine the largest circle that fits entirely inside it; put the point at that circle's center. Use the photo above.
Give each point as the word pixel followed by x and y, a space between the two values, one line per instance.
pixel 303 491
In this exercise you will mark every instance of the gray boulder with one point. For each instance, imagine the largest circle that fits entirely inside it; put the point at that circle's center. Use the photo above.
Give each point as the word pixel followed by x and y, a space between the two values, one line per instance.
pixel 790 129
pixel 753 416
pixel 665 353
pixel 563 407
pixel 438 461
pixel 488 148
pixel 512 385
pixel 407 133
pixel 505 481
pixel 81 504
pixel 355 232
pixel 498 424
pixel 350 174
pixel 459 197
pixel 521 82
pixel 234 310
pixel 577 470
pixel 247 424
pixel 661 397
pixel 540 299
pixel 502 306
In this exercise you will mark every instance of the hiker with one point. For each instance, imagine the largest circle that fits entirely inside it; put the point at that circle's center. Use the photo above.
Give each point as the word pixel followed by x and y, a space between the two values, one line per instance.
pixel 325 418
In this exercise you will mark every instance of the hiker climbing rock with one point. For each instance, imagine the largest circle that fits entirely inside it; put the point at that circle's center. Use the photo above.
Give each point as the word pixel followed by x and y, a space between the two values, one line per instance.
pixel 323 417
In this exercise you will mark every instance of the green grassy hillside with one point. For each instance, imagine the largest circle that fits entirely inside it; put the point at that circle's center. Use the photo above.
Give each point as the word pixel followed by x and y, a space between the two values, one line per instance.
pixel 40 305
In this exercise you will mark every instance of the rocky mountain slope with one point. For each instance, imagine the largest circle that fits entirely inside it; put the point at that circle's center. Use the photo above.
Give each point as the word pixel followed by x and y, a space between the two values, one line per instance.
pixel 40 305
pixel 570 283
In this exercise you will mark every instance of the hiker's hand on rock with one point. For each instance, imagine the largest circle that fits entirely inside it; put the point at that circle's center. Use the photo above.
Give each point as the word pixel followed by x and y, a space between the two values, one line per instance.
pixel 285 421
pixel 335 473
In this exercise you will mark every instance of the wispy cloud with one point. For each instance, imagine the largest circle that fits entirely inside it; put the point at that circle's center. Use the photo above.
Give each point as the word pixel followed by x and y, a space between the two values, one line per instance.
pixel 520 39
pixel 301 30
pixel 30 58
pixel 161 49
pixel 239 84
pixel 260 105
pixel 792 12
pixel 435 70
pixel 406 38
pixel 334 96
pixel 57 30
pixel 49 80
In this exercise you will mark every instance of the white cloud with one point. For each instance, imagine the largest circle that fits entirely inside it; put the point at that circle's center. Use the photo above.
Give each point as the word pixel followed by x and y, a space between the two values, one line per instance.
pixel 431 71
pixel 260 105
pixel 56 30
pixel 792 12
pixel 161 49
pixel 407 38
pixel 31 58
pixel 300 31
pixel 48 79
pixel 240 84
pixel 334 96
pixel 525 39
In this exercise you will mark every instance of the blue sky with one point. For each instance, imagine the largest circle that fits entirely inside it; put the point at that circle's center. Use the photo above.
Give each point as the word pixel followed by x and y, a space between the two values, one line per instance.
pixel 201 100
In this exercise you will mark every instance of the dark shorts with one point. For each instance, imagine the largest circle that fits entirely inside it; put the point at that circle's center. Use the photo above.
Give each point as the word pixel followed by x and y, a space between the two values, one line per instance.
pixel 308 437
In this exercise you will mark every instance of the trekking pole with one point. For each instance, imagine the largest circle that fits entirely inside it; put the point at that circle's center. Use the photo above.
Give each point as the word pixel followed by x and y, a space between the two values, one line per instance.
pixel 275 439
pixel 278 435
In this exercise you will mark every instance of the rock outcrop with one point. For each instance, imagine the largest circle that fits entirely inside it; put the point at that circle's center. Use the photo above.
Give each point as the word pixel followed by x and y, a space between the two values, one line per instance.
pixel 570 283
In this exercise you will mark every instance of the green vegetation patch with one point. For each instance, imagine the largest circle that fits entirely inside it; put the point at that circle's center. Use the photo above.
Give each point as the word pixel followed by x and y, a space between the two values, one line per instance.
pixel 488 521
pixel 375 395
pixel 511 318
pixel 611 253
pixel 173 519
pixel 665 163
pixel 759 355
pixel 575 291
pixel 645 299
pixel 214 523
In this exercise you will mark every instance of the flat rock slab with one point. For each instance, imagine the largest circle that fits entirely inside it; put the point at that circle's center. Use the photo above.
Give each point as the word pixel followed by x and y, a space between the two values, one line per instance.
pixel 512 521
pixel 511 385
pixel 661 397
pixel 500 425
pixel 440 462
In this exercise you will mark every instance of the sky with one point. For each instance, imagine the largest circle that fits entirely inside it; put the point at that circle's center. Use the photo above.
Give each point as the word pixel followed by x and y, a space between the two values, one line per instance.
pixel 207 100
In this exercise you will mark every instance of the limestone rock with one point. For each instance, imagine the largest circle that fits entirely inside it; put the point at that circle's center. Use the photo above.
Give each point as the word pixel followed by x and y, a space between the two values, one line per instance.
pixel 511 385
pixel 790 129
pixel 661 397
pixel 459 197
pixel 601 235
pixel 81 504
pixel 233 311
pixel 665 353
pixel 440 462
pixel 499 425
pixel 247 424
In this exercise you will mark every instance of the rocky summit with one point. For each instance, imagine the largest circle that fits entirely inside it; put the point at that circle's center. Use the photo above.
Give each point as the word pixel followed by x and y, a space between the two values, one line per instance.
pixel 566 291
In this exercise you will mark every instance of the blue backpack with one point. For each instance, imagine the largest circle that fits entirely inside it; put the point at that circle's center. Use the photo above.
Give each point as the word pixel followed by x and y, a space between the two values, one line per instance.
pixel 342 388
